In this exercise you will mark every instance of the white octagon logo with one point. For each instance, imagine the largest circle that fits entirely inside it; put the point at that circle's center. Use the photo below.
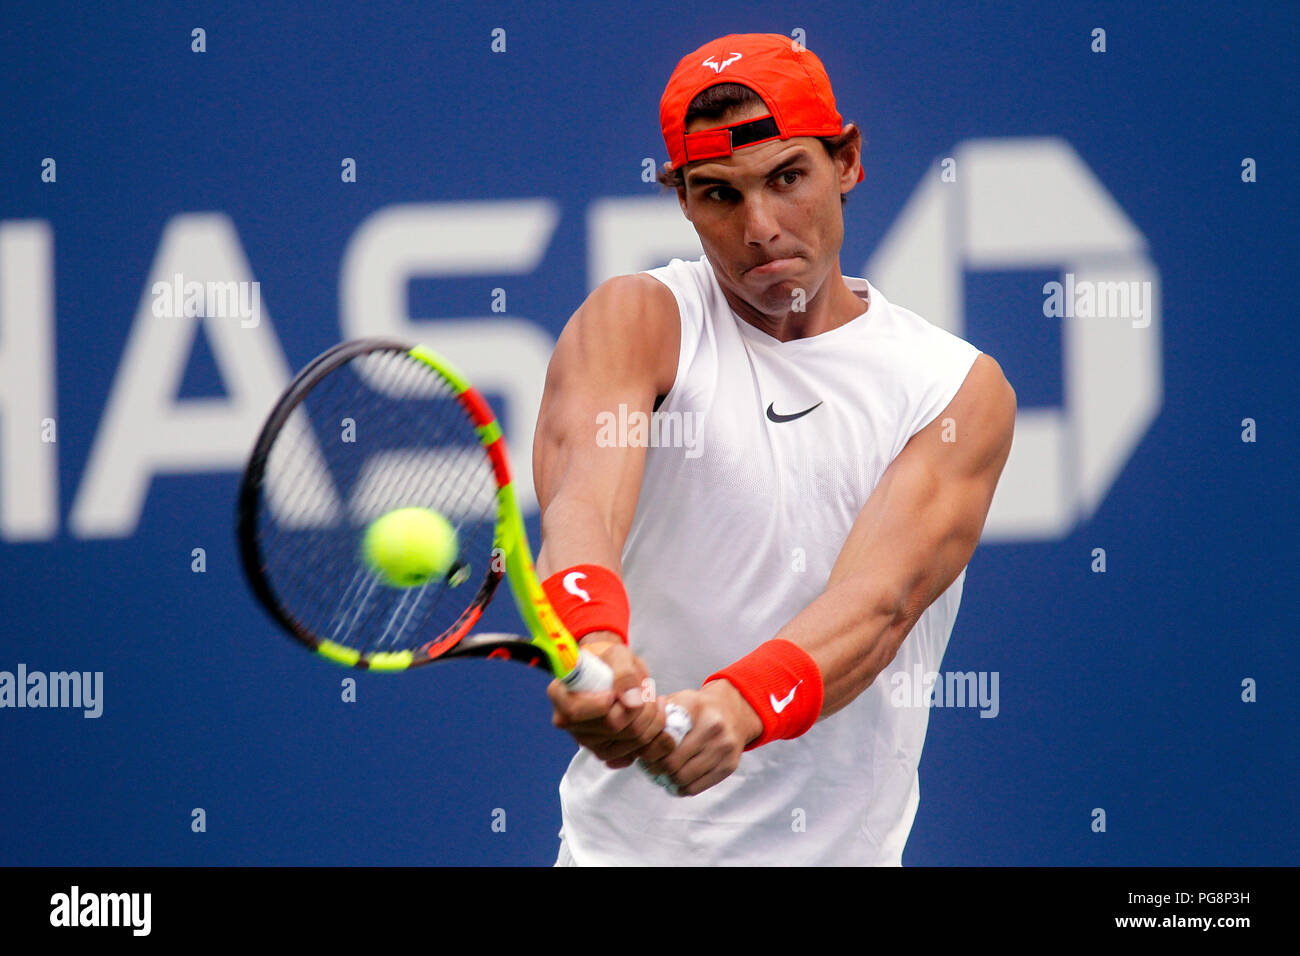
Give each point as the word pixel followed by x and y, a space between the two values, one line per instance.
pixel 1034 204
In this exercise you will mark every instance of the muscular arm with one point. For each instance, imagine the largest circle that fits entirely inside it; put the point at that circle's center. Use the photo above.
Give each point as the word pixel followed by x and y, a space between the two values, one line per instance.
pixel 908 544
pixel 913 537
pixel 619 348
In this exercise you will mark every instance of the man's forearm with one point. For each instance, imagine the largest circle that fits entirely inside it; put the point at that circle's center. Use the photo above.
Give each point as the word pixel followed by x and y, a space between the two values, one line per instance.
pixel 852 630
pixel 573 532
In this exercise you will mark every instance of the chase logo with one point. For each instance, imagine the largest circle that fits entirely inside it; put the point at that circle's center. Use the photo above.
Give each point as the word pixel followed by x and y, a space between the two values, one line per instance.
pixel 1009 204
pixel 1033 204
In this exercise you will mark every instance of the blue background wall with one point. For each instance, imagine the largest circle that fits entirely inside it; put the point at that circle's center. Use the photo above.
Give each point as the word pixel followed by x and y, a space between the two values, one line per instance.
pixel 1119 690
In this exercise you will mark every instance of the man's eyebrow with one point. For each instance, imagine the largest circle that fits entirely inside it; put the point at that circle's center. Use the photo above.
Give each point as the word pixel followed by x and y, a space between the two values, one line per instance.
pixel 693 181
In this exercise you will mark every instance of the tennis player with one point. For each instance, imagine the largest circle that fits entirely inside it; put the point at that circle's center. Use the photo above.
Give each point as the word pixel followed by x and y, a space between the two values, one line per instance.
pixel 798 529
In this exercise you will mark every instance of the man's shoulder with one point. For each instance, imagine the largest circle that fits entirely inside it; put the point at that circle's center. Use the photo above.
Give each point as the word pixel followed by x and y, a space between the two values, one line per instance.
pixel 632 315
pixel 637 294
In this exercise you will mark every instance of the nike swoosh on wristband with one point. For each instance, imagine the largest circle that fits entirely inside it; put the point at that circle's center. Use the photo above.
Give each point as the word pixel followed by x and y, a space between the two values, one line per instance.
pixel 780 705
pixel 571 585
pixel 774 416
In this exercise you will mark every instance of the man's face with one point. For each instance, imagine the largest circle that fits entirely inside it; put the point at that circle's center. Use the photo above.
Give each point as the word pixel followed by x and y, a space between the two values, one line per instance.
pixel 773 201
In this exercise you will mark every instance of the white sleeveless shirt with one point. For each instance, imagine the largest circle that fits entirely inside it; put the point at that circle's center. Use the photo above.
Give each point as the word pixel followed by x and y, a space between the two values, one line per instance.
pixel 737 526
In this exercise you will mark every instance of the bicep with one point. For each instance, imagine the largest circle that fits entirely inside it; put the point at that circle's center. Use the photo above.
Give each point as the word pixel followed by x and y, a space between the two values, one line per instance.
pixel 921 524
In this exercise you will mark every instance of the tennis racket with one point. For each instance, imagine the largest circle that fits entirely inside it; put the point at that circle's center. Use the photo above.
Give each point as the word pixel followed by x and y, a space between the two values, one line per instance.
pixel 368 427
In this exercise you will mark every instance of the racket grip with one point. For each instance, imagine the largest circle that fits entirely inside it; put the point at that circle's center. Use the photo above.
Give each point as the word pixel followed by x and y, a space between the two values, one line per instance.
pixel 677 721
pixel 589 674
pixel 677 724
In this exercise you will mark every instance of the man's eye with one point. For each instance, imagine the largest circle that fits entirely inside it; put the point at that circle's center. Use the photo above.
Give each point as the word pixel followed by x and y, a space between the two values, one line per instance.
pixel 797 174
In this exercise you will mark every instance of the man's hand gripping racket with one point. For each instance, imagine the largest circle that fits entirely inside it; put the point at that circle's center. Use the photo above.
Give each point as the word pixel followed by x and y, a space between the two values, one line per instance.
pixel 367 429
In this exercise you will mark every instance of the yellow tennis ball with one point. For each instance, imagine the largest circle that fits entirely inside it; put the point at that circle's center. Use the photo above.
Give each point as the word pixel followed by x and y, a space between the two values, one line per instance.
pixel 409 546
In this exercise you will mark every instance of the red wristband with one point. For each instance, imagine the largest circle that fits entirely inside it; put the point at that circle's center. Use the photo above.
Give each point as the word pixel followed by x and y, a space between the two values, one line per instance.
pixel 589 598
pixel 783 684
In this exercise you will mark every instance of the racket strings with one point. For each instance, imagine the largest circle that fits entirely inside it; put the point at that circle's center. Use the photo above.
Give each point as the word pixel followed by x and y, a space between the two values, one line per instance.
pixel 381 432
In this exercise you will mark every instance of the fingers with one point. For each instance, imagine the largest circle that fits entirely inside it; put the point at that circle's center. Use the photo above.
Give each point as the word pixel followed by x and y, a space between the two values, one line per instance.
pixel 576 708
pixel 661 746
pixel 644 728
pixel 705 769
pixel 630 673
pixel 617 706
pixel 616 724
pixel 708 754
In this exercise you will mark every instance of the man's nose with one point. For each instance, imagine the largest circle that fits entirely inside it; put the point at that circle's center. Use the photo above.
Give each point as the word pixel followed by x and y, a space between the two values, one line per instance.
pixel 760 222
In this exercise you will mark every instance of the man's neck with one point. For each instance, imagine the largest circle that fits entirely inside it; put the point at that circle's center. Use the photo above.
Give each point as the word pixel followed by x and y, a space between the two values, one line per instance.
pixel 834 305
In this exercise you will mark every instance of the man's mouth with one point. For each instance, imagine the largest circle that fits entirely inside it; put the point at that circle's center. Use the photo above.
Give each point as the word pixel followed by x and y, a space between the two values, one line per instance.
pixel 773 265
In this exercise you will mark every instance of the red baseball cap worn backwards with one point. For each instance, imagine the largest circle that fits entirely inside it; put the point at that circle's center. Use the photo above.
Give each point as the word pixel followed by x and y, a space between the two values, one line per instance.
pixel 788 76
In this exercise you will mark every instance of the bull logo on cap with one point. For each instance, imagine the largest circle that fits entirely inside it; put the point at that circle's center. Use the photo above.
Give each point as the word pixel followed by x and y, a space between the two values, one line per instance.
pixel 719 67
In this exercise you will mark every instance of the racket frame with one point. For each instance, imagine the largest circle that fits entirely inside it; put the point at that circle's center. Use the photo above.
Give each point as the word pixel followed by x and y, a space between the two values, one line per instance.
pixel 550 643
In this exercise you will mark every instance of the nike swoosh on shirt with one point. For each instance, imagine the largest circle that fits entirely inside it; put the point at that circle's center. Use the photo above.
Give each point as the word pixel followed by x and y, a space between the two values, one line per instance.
pixel 780 705
pixel 774 416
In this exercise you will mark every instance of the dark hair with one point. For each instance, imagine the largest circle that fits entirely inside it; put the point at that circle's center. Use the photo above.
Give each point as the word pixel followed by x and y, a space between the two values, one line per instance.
pixel 715 103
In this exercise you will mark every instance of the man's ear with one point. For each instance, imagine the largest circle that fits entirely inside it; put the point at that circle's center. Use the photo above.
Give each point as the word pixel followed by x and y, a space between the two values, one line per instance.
pixel 852 157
